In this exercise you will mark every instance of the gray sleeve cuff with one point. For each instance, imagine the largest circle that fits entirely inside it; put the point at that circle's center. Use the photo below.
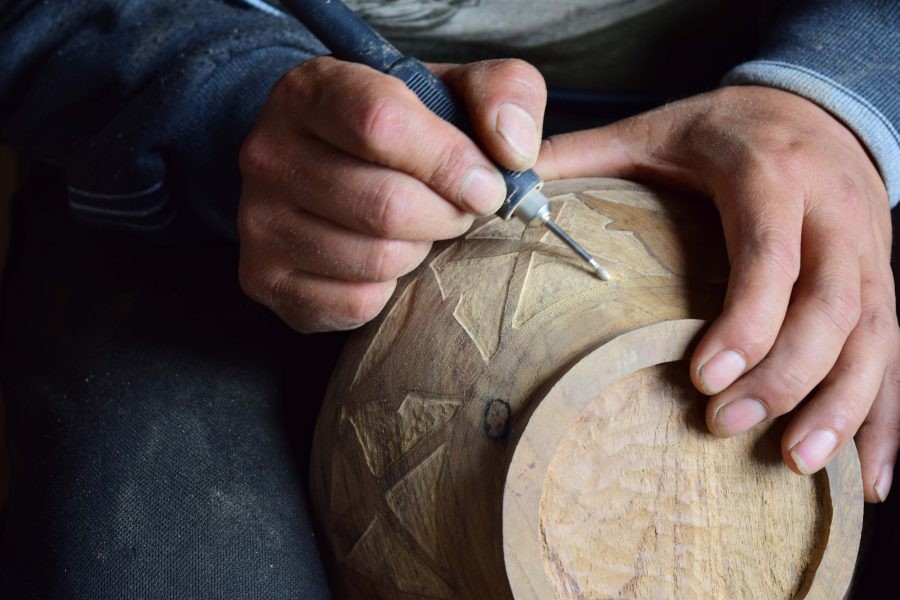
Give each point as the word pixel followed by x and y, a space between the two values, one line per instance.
pixel 859 115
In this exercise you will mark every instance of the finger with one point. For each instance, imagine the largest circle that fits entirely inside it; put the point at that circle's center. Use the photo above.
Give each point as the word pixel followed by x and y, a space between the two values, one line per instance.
pixel 878 439
pixel 505 100
pixel 311 303
pixel 879 436
pixel 314 245
pixel 763 238
pixel 353 193
pixel 824 310
pixel 377 118
pixel 842 401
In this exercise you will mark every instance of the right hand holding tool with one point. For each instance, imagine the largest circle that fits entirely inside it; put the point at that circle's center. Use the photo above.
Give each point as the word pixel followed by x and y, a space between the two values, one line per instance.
pixel 348 179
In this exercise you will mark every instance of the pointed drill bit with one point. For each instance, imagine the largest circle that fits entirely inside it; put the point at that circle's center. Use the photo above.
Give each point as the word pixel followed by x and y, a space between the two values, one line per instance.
pixel 601 272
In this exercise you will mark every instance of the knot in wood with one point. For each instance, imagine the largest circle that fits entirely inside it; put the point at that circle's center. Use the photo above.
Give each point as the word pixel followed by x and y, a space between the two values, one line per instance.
pixel 497 417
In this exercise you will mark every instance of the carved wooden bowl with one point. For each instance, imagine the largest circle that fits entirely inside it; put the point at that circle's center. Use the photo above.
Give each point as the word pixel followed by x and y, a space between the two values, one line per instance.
pixel 511 426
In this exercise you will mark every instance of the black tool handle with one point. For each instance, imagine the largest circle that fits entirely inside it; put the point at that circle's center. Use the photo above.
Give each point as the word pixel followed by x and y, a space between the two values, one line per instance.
pixel 350 38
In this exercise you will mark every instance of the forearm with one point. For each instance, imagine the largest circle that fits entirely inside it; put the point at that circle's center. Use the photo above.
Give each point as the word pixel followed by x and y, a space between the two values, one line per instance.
pixel 142 104
pixel 845 56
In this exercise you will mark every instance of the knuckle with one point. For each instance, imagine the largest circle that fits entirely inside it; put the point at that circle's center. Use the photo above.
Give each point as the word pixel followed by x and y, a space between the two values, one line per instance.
pixel 380 121
pixel 251 224
pixel 361 306
pixel 755 333
pixel 518 70
pixel 313 317
pixel 304 309
pixel 296 93
pixel 387 207
pixel 305 85
pixel 764 164
pixel 450 166
pixel 384 260
pixel 777 149
pixel 788 155
pixel 275 289
pixel 850 198
pixel 782 391
pixel 884 424
pixel 838 306
pixel 374 260
pixel 458 226
pixel 845 419
pixel 851 368
pixel 879 322
pixel 297 300
pixel 778 251
pixel 257 156
pixel 256 282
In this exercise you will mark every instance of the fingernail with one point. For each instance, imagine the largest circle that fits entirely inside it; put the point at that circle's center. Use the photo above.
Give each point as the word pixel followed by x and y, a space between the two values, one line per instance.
pixel 721 371
pixel 519 130
pixel 883 483
pixel 482 190
pixel 810 453
pixel 740 415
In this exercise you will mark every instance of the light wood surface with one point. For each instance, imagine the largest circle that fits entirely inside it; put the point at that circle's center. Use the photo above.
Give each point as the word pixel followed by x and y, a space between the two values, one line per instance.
pixel 616 463
pixel 420 443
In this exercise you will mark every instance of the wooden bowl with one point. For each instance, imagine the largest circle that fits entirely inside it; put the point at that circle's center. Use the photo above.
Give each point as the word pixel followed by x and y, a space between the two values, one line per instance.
pixel 513 427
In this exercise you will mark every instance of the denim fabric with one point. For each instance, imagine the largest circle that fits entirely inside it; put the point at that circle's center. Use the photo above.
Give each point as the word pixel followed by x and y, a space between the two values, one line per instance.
pixel 144 103
pixel 159 423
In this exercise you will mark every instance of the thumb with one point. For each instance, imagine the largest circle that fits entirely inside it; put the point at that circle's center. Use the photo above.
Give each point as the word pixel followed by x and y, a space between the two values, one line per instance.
pixel 653 146
pixel 505 101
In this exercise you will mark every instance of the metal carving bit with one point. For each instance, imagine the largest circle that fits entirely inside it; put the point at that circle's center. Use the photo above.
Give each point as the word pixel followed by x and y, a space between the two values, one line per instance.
pixel 534 209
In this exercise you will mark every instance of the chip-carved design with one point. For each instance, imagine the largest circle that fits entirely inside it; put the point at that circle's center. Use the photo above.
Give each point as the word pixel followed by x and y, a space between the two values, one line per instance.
pixel 413 500
pixel 386 436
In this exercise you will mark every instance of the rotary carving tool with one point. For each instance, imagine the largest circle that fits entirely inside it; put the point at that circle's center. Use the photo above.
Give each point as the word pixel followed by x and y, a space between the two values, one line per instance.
pixel 351 39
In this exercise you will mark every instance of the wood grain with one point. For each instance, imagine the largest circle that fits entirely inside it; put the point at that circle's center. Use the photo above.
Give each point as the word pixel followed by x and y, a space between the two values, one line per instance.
pixel 672 510
pixel 434 404
pixel 634 478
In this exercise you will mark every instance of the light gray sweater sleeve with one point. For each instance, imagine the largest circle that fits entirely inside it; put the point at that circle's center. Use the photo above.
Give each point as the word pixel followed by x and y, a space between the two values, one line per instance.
pixel 845 56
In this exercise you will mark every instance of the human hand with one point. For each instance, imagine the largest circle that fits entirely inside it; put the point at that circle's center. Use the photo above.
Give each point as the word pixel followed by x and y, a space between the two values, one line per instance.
pixel 810 299
pixel 348 179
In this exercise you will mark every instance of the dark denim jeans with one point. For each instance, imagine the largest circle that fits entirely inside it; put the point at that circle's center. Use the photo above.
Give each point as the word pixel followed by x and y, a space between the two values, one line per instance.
pixel 159 422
